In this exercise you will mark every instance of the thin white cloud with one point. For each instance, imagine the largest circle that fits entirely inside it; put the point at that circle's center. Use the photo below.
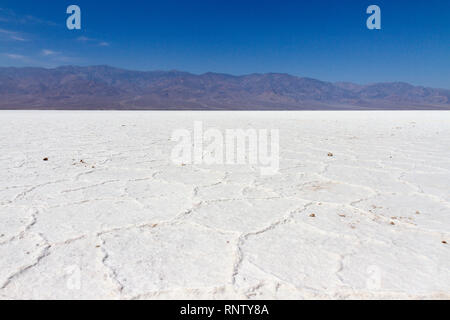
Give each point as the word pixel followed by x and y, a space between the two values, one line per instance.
pixel 35 20
pixel 12 35
pixel 53 57
pixel 85 39
pixel 92 40
pixel 47 52
pixel 14 56
pixel 8 15
pixel 17 38
pixel 45 58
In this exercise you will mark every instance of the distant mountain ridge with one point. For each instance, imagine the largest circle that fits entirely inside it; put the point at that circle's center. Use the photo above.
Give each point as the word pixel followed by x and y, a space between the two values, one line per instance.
pixel 107 88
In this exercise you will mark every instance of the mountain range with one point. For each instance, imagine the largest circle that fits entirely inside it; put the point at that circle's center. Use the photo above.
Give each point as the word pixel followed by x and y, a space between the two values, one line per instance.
pixel 108 88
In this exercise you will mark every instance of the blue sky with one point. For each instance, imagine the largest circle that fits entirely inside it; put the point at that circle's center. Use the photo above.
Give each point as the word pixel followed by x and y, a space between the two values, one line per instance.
pixel 327 40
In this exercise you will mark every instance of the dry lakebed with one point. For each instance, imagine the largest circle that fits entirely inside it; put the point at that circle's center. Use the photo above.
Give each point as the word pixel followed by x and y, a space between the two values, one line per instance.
pixel 93 207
